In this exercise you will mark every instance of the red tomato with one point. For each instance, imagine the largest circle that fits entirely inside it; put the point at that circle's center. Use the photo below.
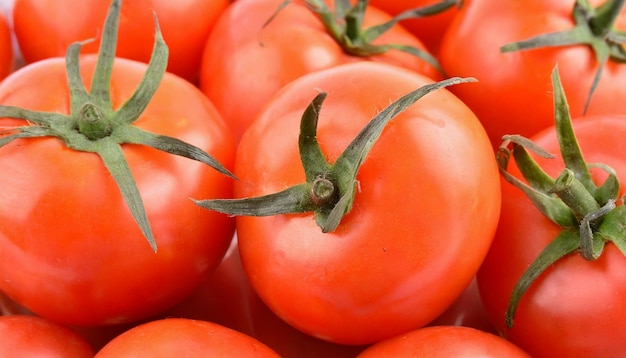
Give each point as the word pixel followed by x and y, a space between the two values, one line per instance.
pixel 514 93
pixel 181 337
pixel 45 28
pixel 429 29
pixel 244 63
pixel 28 336
pixel 445 342
pixel 6 48
pixel 404 235
pixel 69 248
pixel 575 307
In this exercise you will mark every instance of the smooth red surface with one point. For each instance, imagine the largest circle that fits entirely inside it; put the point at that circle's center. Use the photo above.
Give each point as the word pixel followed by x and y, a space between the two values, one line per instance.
pixel 423 217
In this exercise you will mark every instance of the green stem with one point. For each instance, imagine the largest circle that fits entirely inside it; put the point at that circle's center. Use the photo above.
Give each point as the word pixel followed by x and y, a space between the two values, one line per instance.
pixel 574 194
pixel 605 16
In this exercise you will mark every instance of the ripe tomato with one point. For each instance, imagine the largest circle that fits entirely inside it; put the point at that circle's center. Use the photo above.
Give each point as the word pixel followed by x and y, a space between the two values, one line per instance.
pixel 45 28
pixel 179 337
pixel 245 63
pixel 29 336
pixel 429 29
pixel 445 342
pixel 573 308
pixel 514 94
pixel 6 47
pixel 404 235
pixel 69 250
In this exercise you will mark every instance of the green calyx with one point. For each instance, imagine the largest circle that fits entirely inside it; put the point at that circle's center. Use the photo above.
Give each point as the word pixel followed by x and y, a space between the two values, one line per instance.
pixel 345 25
pixel 94 126
pixel 594 27
pixel 586 212
pixel 329 189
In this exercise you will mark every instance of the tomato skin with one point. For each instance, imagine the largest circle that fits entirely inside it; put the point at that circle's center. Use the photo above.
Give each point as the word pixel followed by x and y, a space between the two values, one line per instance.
pixel 45 28
pixel 227 298
pixel 444 342
pixel 361 283
pixel 6 47
pixel 575 308
pixel 28 336
pixel 64 221
pixel 429 29
pixel 514 93
pixel 293 44
pixel 183 337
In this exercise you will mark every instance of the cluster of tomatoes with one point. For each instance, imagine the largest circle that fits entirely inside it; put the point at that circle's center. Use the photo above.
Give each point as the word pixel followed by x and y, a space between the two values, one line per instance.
pixel 312 178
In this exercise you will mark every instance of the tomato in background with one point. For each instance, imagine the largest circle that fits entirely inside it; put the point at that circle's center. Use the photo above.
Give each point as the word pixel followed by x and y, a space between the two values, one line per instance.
pixel 467 310
pixel 363 282
pixel 29 336
pixel 45 28
pixel 429 29
pixel 7 56
pixel 245 63
pixel 514 93
pixel 445 342
pixel 179 337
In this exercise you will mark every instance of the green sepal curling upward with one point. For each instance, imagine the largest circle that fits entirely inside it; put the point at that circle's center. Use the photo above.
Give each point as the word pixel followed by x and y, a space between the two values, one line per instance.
pixel 345 24
pixel 587 213
pixel 594 27
pixel 329 189
pixel 94 126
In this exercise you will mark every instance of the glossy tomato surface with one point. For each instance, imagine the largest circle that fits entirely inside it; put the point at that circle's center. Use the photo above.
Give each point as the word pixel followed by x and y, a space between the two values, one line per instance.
pixel 45 28
pixel 574 308
pixel 69 247
pixel 246 61
pixel 28 336
pixel 514 93
pixel 445 342
pixel 423 218
pixel 178 337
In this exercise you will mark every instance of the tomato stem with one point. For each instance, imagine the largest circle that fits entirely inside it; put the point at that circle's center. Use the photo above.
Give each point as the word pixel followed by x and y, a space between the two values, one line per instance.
pixel 574 194
pixel 587 213
pixel 593 27
pixel 345 25
pixel 330 189
pixel 94 126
